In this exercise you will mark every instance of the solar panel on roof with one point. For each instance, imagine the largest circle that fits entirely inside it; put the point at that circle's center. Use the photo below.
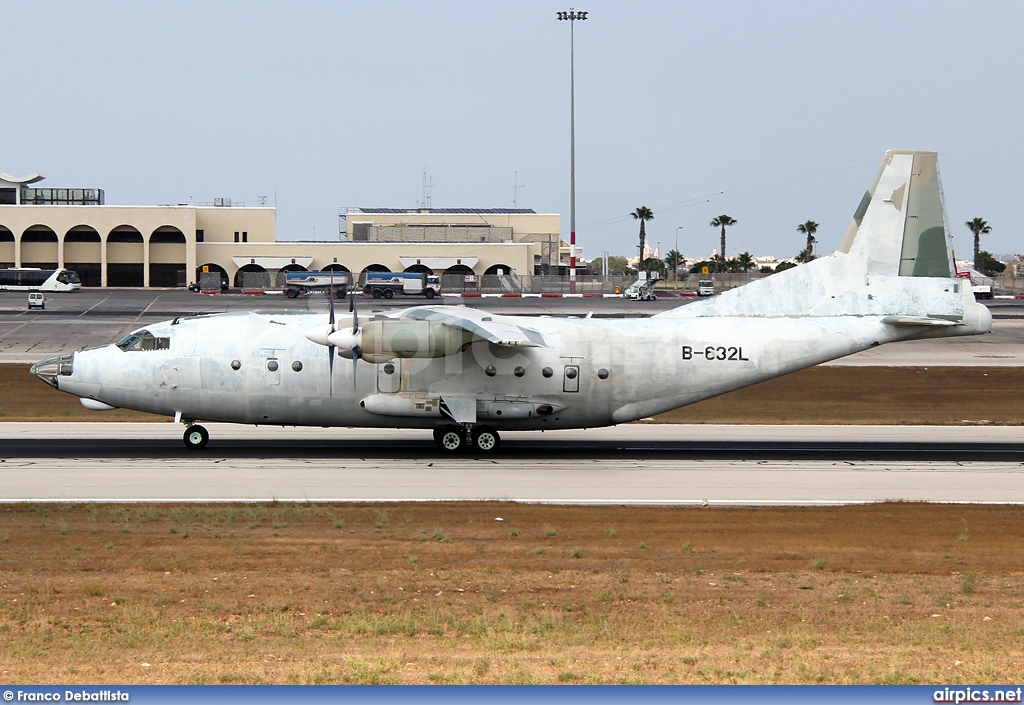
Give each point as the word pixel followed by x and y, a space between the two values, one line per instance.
pixel 451 211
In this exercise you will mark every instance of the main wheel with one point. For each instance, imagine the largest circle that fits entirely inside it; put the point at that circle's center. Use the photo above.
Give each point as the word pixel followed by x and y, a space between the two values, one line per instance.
pixel 450 439
pixel 389 294
pixel 196 437
pixel 485 440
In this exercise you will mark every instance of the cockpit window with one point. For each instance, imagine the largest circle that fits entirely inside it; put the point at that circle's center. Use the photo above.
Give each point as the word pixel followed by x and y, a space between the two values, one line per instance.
pixel 143 340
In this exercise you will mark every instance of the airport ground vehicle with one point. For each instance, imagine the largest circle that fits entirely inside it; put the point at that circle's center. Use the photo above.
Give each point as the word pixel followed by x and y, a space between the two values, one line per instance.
pixel 36 300
pixel 34 279
pixel 304 283
pixel 641 290
pixel 390 284
pixel 705 287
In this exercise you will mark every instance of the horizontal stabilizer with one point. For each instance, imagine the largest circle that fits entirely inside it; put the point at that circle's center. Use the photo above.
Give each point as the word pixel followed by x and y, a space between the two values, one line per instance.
pixel 918 321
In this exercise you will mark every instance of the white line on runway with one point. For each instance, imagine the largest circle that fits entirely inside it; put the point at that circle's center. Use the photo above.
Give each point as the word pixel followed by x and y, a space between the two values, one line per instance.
pixel 92 307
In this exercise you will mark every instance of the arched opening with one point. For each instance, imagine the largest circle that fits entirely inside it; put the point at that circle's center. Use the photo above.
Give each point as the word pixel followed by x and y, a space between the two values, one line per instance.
pixel 83 254
pixel 252 276
pixel 458 277
pixel 502 279
pixel 335 267
pixel 167 257
pixel 211 276
pixel 279 277
pixel 6 247
pixel 39 247
pixel 124 257
pixel 375 268
pixel 420 269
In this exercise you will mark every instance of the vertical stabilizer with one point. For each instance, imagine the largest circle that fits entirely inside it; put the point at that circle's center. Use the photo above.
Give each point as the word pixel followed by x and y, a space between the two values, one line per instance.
pixel 899 226
pixel 895 261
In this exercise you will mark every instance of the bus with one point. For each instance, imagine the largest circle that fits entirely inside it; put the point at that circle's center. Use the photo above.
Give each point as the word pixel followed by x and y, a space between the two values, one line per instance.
pixel 34 279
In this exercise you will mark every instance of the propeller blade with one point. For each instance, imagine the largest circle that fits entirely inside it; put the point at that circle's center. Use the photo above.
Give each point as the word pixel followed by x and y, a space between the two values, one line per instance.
pixel 330 348
pixel 356 352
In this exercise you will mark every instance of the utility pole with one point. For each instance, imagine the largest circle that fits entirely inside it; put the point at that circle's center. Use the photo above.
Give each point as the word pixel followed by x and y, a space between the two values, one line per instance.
pixel 675 263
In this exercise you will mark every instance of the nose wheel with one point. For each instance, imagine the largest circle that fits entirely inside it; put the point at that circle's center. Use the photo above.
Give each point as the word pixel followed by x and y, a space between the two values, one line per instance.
pixel 478 439
pixel 196 437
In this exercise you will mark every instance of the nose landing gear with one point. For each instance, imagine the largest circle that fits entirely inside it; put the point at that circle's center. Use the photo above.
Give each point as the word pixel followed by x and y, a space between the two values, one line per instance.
pixel 467 437
pixel 195 437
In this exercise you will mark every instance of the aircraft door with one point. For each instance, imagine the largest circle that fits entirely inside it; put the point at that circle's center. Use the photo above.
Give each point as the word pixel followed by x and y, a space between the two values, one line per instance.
pixel 389 376
pixel 272 372
pixel 571 379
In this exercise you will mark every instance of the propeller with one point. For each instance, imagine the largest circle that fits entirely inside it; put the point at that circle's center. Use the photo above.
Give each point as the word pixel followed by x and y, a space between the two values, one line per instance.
pixel 350 341
pixel 321 335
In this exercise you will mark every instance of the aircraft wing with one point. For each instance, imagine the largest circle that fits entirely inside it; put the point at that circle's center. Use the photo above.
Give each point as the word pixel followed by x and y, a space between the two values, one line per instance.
pixel 479 323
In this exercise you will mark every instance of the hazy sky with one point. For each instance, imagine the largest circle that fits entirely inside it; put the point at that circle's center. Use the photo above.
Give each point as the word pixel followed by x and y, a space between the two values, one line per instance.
pixel 773 113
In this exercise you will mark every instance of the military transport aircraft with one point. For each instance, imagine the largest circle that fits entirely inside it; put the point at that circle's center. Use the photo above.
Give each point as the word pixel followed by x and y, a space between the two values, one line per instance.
pixel 469 375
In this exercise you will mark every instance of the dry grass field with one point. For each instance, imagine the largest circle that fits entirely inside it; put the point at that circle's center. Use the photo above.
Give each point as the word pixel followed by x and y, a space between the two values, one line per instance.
pixel 444 593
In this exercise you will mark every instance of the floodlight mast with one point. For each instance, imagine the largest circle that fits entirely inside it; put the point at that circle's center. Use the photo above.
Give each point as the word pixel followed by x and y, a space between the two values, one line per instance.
pixel 572 15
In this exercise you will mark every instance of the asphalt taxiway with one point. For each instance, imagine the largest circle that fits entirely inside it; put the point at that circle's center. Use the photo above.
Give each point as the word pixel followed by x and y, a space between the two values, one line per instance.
pixel 90 317
pixel 642 464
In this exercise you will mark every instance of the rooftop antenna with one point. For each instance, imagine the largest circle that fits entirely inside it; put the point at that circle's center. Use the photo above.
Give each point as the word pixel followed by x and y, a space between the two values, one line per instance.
pixel 515 190
pixel 425 194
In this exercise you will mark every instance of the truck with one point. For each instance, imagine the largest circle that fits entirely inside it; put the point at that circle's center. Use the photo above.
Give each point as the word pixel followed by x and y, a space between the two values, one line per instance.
pixel 305 283
pixel 388 284
pixel 705 287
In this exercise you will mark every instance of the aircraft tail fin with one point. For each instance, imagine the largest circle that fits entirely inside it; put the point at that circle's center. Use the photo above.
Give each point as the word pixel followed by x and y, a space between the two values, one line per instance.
pixel 894 261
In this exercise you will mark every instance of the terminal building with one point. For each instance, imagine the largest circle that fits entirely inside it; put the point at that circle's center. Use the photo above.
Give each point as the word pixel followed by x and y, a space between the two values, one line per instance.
pixel 173 245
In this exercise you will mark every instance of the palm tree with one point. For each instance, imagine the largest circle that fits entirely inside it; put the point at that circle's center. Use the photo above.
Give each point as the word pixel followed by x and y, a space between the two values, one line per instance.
pixel 722 221
pixel 643 214
pixel 808 229
pixel 746 261
pixel 674 259
pixel 979 227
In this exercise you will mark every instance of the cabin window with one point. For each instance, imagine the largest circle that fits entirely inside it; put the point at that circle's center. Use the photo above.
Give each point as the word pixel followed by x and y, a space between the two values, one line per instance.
pixel 491 371
pixel 602 373
pixel 519 371
pixel 143 340
pixel 272 365
pixel 297 366
pixel 236 364
pixel 389 369
pixel 547 372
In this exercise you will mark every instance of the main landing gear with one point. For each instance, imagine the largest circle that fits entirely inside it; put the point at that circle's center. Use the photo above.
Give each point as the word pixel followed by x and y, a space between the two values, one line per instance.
pixel 196 437
pixel 468 437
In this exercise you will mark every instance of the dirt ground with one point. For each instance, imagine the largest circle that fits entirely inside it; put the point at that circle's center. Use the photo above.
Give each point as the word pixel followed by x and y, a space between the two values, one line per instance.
pixel 819 395
pixel 448 593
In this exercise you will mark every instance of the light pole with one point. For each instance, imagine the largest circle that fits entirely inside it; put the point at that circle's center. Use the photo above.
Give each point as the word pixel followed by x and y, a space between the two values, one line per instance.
pixel 675 262
pixel 572 15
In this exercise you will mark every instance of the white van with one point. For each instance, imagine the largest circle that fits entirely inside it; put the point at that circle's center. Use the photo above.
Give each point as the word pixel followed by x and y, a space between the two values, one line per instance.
pixel 36 300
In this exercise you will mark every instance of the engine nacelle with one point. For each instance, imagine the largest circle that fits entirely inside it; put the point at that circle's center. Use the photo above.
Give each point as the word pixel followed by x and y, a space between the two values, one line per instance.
pixel 385 340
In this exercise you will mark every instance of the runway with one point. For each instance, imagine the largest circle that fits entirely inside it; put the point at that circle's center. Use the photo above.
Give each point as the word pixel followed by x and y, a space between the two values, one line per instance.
pixel 632 464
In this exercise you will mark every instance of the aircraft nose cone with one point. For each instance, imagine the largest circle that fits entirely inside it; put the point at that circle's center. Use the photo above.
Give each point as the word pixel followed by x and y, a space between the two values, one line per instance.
pixel 51 368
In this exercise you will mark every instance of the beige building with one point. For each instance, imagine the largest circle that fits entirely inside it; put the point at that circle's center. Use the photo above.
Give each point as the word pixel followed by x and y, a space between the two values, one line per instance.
pixel 172 245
